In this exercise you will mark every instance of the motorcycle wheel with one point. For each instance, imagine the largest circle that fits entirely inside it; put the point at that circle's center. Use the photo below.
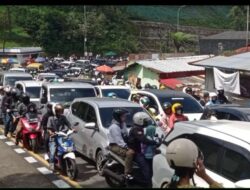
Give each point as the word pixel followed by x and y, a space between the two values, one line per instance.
pixel 33 145
pixel 112 182
pixel 71 169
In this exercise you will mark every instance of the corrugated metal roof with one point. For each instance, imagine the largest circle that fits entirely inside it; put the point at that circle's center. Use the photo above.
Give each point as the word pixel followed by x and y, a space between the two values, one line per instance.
pixel 228 35
pixel 171 65
pixel 236 62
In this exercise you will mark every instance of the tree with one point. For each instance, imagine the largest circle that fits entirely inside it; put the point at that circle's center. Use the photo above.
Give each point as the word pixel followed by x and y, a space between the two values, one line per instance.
pixel 238 17
pixel 181 39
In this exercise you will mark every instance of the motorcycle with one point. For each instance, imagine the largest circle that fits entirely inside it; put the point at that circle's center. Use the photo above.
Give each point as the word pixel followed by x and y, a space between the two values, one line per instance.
pixel 31 132
pixel 113 169
pixel 65 158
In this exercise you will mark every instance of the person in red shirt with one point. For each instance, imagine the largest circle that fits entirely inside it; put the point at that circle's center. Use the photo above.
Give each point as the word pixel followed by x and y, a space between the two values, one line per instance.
pixel 177 115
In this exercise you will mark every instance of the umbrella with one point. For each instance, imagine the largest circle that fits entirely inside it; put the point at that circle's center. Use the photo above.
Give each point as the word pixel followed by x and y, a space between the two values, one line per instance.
pixel 104 69
pixel 40 60
pixel 8 60
pixel 110 53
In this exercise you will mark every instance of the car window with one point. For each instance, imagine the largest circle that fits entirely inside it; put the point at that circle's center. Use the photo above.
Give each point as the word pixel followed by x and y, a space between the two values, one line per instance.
pixel 81 111
pixel 74 108
pixel 235 166
pixel 20 87
pixel 222 115
pixel 152 103
pixel 91 115
pixel 234 117
pixel 121 93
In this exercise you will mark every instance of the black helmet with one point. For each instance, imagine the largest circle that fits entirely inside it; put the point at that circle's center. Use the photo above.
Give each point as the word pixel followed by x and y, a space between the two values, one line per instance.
pixel 220 91
pixel 25 98
pixel 166 105
pixel 32 108
pixel 188 90
pixel 118 113
pixel 147 86
pixel 13 91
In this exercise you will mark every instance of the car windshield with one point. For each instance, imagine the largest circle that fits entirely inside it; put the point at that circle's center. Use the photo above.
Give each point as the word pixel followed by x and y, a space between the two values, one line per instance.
pixel 121 93
pixel 69 94
pixel 106 115
pixel 48 77
pixel 189 104
pixel 33 92
pixel 11 80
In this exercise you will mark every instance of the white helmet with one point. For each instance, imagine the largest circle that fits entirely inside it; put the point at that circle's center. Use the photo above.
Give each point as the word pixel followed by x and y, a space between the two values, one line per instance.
pixel 212 94
pixel 182 153
pixel 7 89
pixel 141 119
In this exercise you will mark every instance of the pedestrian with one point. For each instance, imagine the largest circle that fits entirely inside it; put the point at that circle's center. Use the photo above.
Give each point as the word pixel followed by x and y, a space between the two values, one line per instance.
pixel 221 97
pixel 205 99
pixel 213 99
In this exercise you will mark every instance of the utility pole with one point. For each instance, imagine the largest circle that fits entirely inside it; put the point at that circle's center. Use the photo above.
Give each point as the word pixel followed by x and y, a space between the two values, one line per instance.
pixel 178 16
pixel 247 27
pixel 85 32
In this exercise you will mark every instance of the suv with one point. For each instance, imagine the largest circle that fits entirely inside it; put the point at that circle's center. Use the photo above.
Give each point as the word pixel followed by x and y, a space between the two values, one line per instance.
pixel 225 145
pixel 121 91
pixel 191 107
pixel 65 92
pixel 9 78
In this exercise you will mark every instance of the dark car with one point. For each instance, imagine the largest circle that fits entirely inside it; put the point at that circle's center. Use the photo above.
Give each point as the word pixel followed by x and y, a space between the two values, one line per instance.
pixel 228 112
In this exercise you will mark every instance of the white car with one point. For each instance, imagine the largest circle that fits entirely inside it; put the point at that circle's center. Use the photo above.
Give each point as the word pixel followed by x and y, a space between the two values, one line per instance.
pixel 66 64
pixel 122 92
pixel 47 76
pixel 225 146
pixel 22 70
pixel 191 107
pixel 82 62
pixel 32 88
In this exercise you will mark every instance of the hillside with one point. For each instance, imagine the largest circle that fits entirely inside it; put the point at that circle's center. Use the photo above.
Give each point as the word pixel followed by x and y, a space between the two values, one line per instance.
pixel 208 16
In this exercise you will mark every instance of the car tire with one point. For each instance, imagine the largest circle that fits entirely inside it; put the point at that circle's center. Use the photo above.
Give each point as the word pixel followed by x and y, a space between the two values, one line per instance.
pixel 98 161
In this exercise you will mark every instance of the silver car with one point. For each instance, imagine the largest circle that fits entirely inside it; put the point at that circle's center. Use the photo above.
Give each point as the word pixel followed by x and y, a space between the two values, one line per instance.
pixel 9 78
pixel 91 117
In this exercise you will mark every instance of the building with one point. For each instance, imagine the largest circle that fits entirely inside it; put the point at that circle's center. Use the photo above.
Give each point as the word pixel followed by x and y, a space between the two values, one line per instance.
pixel 236 63
pixel 165 71
pixel 21 53
pixel 225 41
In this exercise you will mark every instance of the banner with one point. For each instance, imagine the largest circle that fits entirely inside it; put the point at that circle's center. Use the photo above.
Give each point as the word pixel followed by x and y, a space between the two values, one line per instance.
pixel 228 82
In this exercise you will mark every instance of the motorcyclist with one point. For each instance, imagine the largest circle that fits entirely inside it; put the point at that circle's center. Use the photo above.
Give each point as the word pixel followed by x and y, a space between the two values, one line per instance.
pixel 118 136
pixel 164 117
pixel 186 159
pixel 221 97
pixel 56 123
pixel 177 115
pixel 23 108
pixel 112 95
pixel 213 99
pixel 145 102
pixel 44 123
pixel 135 141
pixel 204 99
pixel 189 91
pixel 6 110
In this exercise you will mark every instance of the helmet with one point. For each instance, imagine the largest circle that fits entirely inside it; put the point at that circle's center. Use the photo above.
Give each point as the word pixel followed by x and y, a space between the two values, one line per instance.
pixel 25 98
pixel 205 94
pixel 13 91
pixel 188 90
pixel 32 107
pixel 117 113
pixel 182 153
pixel 166 105
pixel 152 111
pixel 58 109
pixel 144 101
pixel 141 119
pixel 147 86
pixel 176 106
pixel 112 95
pixel 220 91
pixel 7 89
pixel 212 94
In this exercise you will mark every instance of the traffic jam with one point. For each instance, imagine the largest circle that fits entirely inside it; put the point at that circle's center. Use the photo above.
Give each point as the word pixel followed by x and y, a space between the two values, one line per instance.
pixel 91 126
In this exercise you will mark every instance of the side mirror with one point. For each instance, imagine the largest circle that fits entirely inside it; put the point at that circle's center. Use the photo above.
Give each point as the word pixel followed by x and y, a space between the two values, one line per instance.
pixel 242 183
pixel 43 100
pixel 91 125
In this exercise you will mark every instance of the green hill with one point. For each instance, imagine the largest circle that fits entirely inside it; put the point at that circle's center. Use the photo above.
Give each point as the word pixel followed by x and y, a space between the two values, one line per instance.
pixel 207 16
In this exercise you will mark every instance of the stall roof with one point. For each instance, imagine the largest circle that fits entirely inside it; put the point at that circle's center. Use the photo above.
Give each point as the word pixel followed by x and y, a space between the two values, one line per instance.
pixel 19 50
pixel 172 65
pixel 239 62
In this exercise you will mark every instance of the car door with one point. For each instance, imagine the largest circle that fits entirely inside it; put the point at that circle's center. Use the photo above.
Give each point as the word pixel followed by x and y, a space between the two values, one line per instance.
pixel 77 114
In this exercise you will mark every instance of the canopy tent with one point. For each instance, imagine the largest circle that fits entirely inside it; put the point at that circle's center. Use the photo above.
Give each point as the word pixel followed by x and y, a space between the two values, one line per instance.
pixel 110 53
pixel 40 60
pixel 171 82
pixel 104 69
pixel 8 60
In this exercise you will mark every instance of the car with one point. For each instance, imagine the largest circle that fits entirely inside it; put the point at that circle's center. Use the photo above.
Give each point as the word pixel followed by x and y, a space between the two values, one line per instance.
pixel 47 76
pixel 191 107
pixel 66 64
pixel 224 144
pixel 60 72
pixel 82 62
pixel 23 70
pixel 74 71
pixel 65 92
pixel 89 81
pixel 228 111
pixel 91 117
pixel 9 78
pixel 121 91
pixel 32 88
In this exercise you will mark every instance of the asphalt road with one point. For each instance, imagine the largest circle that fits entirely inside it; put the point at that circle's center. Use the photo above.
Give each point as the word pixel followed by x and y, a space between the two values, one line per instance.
pixel 19 170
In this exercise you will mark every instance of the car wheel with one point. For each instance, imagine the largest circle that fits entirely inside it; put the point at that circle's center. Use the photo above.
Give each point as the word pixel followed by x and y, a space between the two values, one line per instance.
pixel 98 161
